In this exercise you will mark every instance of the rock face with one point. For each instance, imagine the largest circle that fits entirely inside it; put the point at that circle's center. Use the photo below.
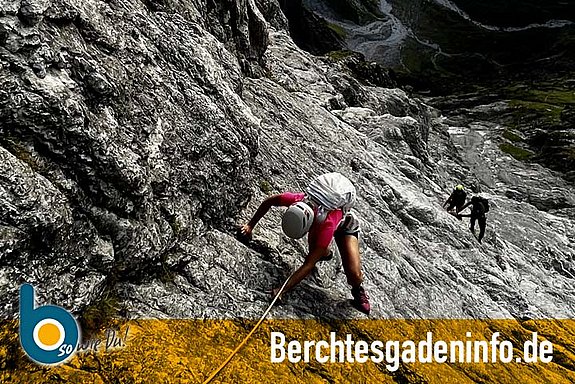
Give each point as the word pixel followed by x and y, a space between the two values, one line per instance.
pixel 136 135
pixel 123 131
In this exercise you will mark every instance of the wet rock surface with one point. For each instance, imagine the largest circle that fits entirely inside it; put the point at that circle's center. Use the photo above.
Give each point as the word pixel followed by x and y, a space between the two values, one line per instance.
pixel 135 136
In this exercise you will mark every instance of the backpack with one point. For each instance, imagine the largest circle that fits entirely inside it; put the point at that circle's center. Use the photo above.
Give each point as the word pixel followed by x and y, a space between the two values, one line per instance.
pixel 483 201
pixel 485 204
pixel 331 191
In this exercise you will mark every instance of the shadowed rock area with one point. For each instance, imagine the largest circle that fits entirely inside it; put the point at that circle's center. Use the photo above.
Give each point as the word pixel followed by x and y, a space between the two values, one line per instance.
pixel 444 46
pixel 136 135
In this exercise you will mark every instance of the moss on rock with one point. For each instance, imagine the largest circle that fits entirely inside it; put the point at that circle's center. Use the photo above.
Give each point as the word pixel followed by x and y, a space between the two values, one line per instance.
pixel 511 136
pixel 517 152
pixel 340 55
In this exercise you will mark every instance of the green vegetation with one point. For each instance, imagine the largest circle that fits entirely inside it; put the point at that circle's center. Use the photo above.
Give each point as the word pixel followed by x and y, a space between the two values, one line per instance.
pixel 511 136
pixel 361 12
pixel 541 102
pixel 517 152
pixel 416 59
pixel 338 30
pixel 550 113
pixel 545 93
pixel 339 55
pixel 265 187
pixel 420 71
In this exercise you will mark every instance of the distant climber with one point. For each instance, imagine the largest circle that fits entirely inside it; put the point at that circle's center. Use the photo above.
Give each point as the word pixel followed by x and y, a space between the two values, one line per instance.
pixel 324 213
pixel 479 207
pixel 456 199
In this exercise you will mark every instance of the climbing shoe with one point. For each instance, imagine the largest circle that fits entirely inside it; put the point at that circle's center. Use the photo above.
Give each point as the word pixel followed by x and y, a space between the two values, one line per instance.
pixel 360 300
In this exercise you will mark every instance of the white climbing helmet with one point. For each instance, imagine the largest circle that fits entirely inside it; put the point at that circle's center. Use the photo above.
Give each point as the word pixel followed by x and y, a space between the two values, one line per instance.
pixel 297 220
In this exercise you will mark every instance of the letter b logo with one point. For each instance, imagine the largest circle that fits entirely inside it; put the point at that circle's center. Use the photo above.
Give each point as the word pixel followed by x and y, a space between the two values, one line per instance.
pixel 48 334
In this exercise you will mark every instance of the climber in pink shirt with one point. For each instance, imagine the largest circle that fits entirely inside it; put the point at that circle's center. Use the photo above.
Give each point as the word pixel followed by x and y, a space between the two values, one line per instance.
pixel 303 217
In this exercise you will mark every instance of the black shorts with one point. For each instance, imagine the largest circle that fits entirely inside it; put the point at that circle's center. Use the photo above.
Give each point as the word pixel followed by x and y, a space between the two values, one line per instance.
pixel 349 226
pixel 340 234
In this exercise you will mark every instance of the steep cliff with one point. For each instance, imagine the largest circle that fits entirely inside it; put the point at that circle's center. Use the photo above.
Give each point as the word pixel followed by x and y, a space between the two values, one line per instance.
pixel 136 135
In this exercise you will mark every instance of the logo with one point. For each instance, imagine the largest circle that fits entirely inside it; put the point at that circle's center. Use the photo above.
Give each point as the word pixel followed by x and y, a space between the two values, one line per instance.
pixel 48 334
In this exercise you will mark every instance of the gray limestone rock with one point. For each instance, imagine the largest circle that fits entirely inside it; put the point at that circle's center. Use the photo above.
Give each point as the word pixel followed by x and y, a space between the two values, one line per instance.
pixel 135 136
